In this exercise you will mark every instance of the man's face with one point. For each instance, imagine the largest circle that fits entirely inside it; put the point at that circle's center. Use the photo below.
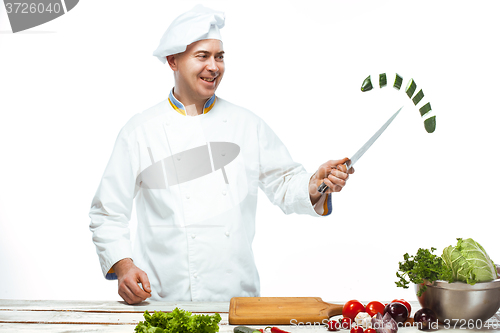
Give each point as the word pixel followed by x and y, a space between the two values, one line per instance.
pixel 199 69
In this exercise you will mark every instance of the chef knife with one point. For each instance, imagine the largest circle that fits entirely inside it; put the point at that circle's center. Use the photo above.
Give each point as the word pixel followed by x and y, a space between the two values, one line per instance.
pixel 322 188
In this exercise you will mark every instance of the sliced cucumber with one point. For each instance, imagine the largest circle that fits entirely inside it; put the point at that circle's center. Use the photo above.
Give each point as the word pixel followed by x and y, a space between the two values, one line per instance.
pixel 418 97
pixel 367 84
pixel 410 88
pixel 398 81
pixel 430 124
pixel 424 109
pixel 382 80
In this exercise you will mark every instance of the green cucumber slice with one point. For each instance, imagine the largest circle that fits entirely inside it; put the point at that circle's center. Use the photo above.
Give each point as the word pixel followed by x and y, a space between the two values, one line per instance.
pixel 367 84
pixel 418 97
pixel 410 88
pixel 430 124
pixel 398 81
pixel 382 80
pixel 424 109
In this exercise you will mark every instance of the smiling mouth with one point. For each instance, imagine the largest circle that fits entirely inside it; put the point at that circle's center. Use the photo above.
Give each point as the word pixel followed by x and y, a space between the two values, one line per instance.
pixel 208 79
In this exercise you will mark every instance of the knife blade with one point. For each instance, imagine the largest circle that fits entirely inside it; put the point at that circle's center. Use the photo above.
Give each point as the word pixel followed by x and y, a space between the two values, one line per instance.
pixel 322 188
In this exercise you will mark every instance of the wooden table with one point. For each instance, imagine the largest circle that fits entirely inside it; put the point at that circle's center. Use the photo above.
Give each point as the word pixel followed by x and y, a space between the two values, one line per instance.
pixel 95 316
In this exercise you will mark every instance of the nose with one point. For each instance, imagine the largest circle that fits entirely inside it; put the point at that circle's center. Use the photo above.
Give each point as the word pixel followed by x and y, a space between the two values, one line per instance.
pixel 212 65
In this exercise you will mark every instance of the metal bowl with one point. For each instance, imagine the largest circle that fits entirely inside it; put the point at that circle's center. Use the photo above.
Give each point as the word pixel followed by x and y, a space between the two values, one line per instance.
pixel 461 301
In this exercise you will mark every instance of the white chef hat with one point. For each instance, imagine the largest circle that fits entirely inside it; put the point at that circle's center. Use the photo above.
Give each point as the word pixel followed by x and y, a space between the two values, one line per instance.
pixel 197 24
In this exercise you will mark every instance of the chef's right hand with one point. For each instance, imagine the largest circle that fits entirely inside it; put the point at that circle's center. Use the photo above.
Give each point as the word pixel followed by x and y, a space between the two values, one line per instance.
pixel 129 277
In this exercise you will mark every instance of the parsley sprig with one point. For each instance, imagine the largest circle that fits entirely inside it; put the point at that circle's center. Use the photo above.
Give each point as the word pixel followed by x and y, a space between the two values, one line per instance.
pixel 423 266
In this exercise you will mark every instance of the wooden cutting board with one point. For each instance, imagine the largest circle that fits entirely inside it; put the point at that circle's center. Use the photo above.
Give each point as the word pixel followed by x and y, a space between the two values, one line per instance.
pixel 280 310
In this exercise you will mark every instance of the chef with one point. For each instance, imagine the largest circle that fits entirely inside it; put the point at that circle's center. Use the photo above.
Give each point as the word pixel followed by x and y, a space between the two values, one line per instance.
pixel 193 163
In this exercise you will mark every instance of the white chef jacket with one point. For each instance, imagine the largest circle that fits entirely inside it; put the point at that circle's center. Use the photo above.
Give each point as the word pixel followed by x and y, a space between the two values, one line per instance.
pixel 196 219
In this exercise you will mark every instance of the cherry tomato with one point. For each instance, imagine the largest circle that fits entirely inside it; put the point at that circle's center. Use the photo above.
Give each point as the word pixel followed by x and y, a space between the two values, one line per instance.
pixel 346 323
pixel 375 307
pixel 357 329
pixel 352 308
pixel 370 330
pixel 333 325
pixel 405 303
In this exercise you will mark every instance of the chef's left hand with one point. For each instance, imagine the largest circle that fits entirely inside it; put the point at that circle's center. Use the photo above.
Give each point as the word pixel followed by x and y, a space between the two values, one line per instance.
pixel 333 173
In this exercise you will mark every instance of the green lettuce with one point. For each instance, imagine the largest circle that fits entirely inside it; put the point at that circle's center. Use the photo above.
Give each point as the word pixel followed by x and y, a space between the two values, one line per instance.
pixel 469 262
pixel 178 321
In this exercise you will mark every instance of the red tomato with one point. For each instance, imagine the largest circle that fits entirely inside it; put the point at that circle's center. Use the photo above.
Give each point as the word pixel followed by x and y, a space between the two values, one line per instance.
pixel 352 308
pixel 405 303
pixel 346 322
pixel 374 307
pixel 333 325
pixel 370 330
pixel 357 329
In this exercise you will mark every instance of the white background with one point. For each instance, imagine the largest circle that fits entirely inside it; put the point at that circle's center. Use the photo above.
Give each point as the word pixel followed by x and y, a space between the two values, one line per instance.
pixel 68 86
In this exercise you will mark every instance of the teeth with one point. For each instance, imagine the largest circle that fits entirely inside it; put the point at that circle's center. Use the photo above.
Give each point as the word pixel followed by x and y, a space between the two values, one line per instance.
pixel 208 80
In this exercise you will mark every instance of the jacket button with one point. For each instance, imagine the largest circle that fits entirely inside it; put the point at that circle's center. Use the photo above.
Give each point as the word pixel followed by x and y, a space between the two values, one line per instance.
pixel 195 275
pixel 227 233
pixel 187 196
pixel 224 192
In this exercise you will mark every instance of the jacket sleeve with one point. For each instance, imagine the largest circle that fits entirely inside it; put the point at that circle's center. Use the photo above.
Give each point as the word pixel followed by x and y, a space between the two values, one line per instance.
pixel 111 208
pixel 284 181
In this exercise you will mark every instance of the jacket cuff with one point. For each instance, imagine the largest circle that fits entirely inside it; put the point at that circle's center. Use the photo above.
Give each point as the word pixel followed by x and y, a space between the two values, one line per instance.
pixel 107 265
pixel 324 205
pixel 111 275
pixel 303 201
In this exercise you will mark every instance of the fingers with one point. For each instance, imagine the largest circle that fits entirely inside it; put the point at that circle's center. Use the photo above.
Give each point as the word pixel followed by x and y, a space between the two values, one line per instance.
pixel 332 187
pixel 337 164
pixel 334 163
pixel 129 289
pixel 327 167
pixel 334 174
pixel 132 293
pixel 337 178
pixel 342 167
pixel 138 291
pixel 344 160
pixel 128 296
pixel 143 279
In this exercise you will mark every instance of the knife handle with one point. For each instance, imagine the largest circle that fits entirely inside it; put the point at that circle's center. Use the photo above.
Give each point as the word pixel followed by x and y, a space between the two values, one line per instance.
pixel 322 188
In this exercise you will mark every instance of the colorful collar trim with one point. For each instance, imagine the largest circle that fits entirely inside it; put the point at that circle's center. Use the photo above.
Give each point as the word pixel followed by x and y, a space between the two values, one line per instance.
pixel 179 107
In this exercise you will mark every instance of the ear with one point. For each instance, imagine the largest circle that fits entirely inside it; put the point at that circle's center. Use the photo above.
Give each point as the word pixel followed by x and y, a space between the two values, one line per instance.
pixel 172 62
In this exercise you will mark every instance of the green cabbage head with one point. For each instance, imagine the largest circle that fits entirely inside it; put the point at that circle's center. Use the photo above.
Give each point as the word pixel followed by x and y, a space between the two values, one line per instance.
pixel 469 262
